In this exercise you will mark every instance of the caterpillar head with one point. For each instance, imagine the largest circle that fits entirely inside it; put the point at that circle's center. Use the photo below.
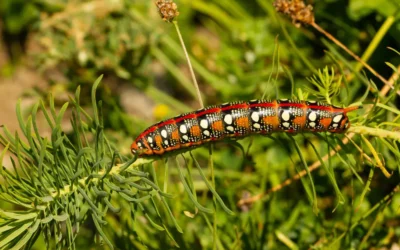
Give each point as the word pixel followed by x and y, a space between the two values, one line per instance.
pixel 344 124
pixel 340 121
pixel 140 147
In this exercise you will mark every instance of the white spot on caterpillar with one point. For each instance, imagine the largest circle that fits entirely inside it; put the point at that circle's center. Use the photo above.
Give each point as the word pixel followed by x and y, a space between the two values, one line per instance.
pixel 337 118
pixel 312 124
pixel 166 142
pixel 255 116
pixel 228 119
pixel 257 125
pixel 164 133
pixel 312 116
pixel 285 116
pixel 335 125
pixel 286 124
pixel 149 139
pixel 230 128
pixel 204 123
pixel 206 133
pixel 183 129
pixel 185 137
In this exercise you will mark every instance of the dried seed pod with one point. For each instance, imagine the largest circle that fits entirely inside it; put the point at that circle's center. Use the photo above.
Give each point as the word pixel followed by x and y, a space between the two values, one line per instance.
pixel 168 9
pixel 299 12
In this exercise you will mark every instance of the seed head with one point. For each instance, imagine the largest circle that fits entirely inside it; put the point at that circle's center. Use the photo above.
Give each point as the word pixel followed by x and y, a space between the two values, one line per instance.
pixel 299 12
pixel 167 9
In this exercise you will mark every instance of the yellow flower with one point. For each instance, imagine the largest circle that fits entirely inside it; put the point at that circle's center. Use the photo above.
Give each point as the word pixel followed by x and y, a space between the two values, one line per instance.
pixel 160 111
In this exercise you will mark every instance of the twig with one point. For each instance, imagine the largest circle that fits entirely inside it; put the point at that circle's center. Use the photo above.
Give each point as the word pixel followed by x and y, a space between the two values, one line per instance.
pixel 189 64
pixel 341 45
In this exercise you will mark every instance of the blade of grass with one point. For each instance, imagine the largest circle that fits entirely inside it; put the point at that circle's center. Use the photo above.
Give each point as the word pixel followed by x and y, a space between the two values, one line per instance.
pixel 312 196
pixel 189 191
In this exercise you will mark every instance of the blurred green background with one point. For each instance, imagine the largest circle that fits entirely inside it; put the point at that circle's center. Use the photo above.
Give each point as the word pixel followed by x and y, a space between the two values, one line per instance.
pixel 55 46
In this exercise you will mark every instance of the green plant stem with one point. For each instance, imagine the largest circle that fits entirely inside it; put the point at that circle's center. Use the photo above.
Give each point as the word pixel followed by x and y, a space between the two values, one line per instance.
pixel 357 58
pixel 218 83
pixel 386 199
pixel 189 64
pixel 173 69
pixel 376 157
pixel 114 170
pixel 375 42
pixel 296 50
pixel 211 161
pixel 376 132
pixel 373 226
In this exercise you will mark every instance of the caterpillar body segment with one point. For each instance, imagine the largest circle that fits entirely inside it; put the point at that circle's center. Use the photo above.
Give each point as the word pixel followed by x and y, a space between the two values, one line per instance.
pixel 239 119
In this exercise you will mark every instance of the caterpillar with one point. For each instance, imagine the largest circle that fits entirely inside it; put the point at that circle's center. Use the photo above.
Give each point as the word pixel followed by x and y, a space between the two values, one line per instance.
pixel 237 120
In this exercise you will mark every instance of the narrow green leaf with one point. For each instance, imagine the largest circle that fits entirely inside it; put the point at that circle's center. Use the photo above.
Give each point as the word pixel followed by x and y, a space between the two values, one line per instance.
pixel 19 216
pixel 99 193
pixel 346 161
pixel 203 176
pixel 6 227
pixel 47 219
pixel 15 234
pixel 112 186
pixel 171 215
pixel 128 164
pixel 136 200
pixel 41 159
pixel 174 70
pixel 189 191
pixel 392 149
pixel 155 225
pixel 367 185
pixel 32 145
pixel 137 186
pixel 61 217
pixel 100 231
pixel 46 114
pixel 394 68
pixel 110 206
pixel 393 110
pixel 138 173
pixel 330 174
pixel 94 102
pixel 61 113
pixel 34 123
pixel 304 163
pixel 52 107
pixel 3 153
pixel 155 187
pixel 21 243
pixel 20 118
pixel 89 201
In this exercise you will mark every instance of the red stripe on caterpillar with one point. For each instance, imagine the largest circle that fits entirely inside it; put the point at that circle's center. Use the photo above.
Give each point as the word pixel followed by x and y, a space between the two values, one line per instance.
pixel 240 119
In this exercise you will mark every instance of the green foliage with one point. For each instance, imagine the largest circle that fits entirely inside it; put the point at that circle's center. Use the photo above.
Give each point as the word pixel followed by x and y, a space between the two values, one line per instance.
pixel 17 15
pixel 80 188
pixel 64 180
pixel 326 84
pixel 359 8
